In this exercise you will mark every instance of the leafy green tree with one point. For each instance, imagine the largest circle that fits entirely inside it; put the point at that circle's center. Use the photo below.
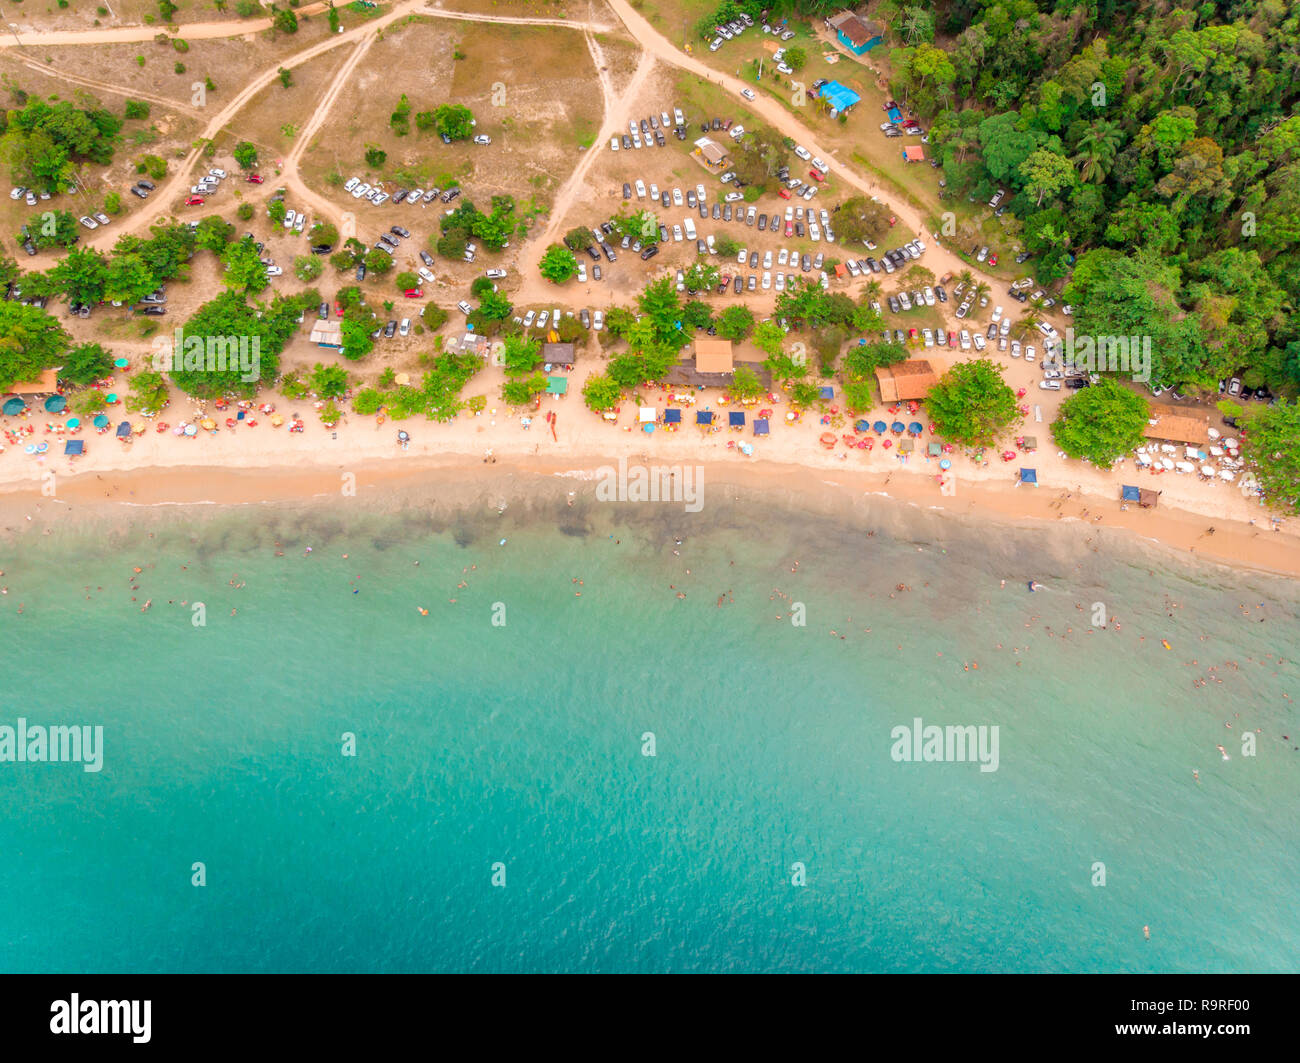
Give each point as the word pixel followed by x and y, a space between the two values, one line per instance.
pixel 213 234
pixel 579 239
pixel 601 392
pixel 328 381
pixel 244 269
pixel 521 355
pixel 80 275
pixel 735 323
pixel 307 268
pixel 745 383
pixel 231 317
pixel 128 278
pixel 433 316
pixel 136 109
pixel 1273 452
pixel 284 20
pixel 375 156
pixel 378 262
pixel 148 392
pixel 972 404
pixel 454 120
pixel 558 264
pixel 324 232
pixel 355 334
pixel 54 228
pixel 796 58
pixel 1101 423
pixel 85 363
pixel 769 338
pixel 1046 173
pixel 245 154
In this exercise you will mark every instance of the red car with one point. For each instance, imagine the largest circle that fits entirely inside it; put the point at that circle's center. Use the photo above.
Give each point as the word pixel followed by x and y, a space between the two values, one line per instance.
pixel 912 335
pixel 414 293
pixel 817 175
pixel 254 178
pixel 194 201
pixel 789 228
pixel 993 259
pixel 784 193
pixel 952 339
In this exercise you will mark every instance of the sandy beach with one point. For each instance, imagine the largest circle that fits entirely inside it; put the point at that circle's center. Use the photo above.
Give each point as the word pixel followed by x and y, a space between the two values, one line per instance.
pixel 361 457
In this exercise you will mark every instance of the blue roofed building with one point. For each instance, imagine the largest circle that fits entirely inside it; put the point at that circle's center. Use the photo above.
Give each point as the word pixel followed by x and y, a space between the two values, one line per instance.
pixel 858 35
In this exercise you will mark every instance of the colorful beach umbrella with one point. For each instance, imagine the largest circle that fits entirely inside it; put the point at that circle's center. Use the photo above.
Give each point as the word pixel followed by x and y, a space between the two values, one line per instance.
pixel 56 404
pixel 945 464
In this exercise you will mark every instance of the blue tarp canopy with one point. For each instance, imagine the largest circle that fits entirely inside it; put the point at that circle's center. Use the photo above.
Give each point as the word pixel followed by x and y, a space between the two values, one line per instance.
pixel 74 446
pixel 1129 493
pixel 736 418
pixel 672 416
pixel 895 115
pixel 124 430
pixel 828 393
pixel 1029 476
pixel 841 97
pixel 760 426
pixel 704 417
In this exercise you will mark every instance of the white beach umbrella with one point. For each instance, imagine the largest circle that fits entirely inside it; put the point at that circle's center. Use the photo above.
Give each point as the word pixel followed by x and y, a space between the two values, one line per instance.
pixel 1185 466
pixel 1213 433
pixel 1227 474
pixel 1142 459
pixel 1169 465
pixel 1231 444
pixel 1216 452
pixel 1207 470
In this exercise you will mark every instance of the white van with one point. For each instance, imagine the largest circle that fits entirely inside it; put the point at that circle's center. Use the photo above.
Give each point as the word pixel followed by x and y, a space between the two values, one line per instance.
pixel 690 229
pixel 640 189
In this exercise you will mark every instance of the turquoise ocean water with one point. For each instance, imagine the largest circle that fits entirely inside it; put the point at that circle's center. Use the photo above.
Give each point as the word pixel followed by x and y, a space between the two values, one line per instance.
pixel 521 744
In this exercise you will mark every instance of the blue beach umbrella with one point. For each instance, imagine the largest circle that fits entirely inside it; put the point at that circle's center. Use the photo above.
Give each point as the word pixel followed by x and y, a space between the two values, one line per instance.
pixel 74 422
pixel 56 404
pixel 945 464
pixel 897 428
pixel 862 426
pixel 879 428
pixel 14 406
pixel 101 420
pixel 915 428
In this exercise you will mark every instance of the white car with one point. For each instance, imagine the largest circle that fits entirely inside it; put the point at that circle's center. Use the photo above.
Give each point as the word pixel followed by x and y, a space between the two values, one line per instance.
pixel 582 273
pixel 928 294
pixel 289 218
pixel 598 320
pixel 1050 385
pixel 360 190
pixel 382 197
pixel 613 143
pixel 300 222
pixel 747 93
pixel 699 193
pixel 1015 348
pixel 742 256
pixel 352 183
pixel 88 222
pixel 1005 327
pixel 415 196
pixel 767 280
pixel 979 342
pixel 425 275
pixel 731 197
pixel 782 257
pixel 1030 354
pixel 802 152
pixel 496 274
pixel 640 189
pixel 677 233
pixel 404 328
pixel 654 191
pixel 780 282
pixel 767 259
pixel 529 318
pixel 964 338
pixel 677 197
pixel 217 173
pixel 466 309
pixel 997 314
pixel 273 271
pixel 681 281
pixel 543 318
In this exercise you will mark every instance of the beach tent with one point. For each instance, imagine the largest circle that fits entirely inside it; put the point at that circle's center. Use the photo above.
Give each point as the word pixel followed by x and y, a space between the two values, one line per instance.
pixel 672 416
pixel 101 420
pixel 1029 476
pixel 935 450
pixel 895 115
pixel 906 445
pixel 736 419
pixel 1130 493
pixel 74 446
pixel 56 404
pixel 124 430
pixel 828 393
pixel 647 415
pixel 760 426
pixel 703 416
pixel 557 385
pixel 14 406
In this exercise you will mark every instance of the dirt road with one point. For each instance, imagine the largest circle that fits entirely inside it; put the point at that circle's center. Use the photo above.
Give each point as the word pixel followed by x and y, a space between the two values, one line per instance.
pixel 197 31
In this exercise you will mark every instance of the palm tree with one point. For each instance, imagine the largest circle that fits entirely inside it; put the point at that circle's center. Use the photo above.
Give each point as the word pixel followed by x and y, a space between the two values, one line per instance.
pixel 981 290
pixel 871 290
pixel 1028 324
pixel 965 277
pixel 1097 149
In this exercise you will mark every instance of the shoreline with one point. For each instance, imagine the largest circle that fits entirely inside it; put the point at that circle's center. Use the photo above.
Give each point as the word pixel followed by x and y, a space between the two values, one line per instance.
pixel 114 493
